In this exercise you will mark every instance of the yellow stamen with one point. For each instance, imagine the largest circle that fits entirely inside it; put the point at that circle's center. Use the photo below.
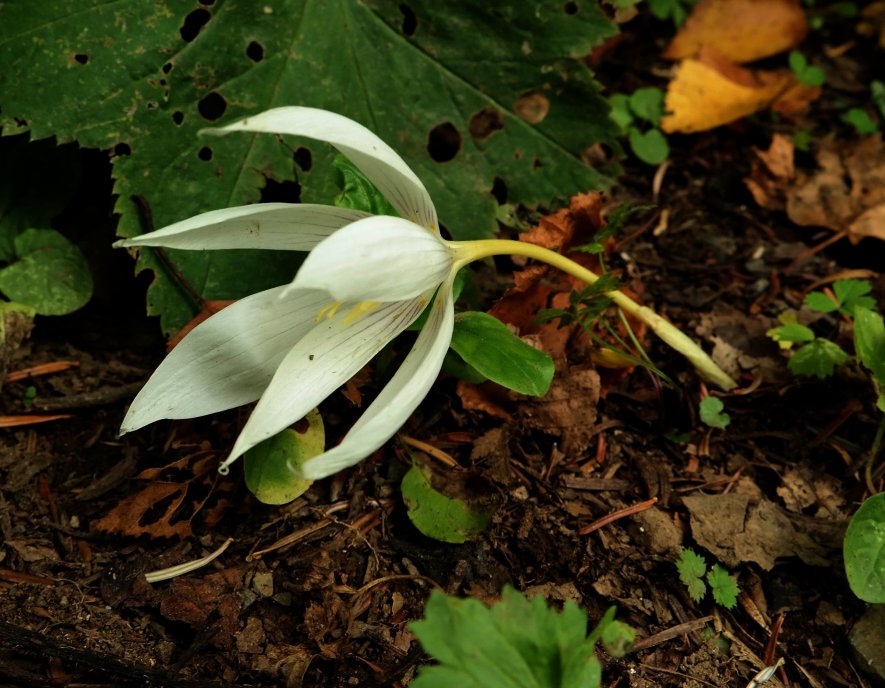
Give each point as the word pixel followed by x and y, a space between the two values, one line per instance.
pixel 359 310
pixel 328 311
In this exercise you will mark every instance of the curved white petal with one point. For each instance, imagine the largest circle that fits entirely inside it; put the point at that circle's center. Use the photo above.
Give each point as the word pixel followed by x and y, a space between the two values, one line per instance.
pixel 377 259
pixel 323 360
pixel 228 360
pixel 281 226
pixel 375 159
pixel 399 399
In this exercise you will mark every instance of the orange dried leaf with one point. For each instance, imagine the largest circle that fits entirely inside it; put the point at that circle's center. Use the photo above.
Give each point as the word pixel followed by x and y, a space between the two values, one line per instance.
pixel 741 30
pixel 37 370
pixel 710 91
pixel 17 421
pixel 132 515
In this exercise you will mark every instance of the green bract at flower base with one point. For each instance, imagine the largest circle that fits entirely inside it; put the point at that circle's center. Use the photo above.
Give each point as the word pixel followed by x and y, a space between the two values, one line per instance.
pixel 366 278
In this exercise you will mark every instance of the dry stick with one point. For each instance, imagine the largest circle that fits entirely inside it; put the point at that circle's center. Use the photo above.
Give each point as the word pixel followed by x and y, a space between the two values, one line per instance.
pixel 652 667
pixel 672 632
pixel 37 370
pixel 147 221
pixel 611 518
pixel 806 254
pixel 429 449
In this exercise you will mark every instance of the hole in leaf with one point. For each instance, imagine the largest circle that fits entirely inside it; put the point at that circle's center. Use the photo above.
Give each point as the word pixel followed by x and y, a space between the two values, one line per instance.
pixel 167 67
pixel 212 106
pixel 444 142
pixel 122 149
pixel 499 190
pixel 152 105
pixel 537 164
pixel 255 51
pixel 81 58
pixel 303 158
pixel 205 154
pixel 193 24
pixel 532 107
pixel 485 123
pixel 281 192
pixel 570 8
pixel 207 2
pixel 178 117
pixel 410 21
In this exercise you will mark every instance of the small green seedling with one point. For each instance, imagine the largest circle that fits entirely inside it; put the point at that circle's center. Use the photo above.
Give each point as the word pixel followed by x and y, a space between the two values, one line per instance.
pixel 515 643
pixel 806 74
pixel 674 10
pixel 861 121
pixel 633 114
pixel 692 568
pixel 712 414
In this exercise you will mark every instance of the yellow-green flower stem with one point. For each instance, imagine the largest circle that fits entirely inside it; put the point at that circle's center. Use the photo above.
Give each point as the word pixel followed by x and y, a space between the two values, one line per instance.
pixel 470 251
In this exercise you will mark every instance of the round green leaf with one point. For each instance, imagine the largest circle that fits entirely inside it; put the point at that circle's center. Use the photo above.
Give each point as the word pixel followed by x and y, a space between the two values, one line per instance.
pixel 50 275
pixel 438 516
pixel 651 147
pixel 864 550
pixel 494 351
pixel 267 466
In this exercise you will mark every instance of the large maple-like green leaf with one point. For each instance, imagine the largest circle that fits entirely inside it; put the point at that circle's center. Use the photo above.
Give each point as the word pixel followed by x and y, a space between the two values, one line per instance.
pixel 472 94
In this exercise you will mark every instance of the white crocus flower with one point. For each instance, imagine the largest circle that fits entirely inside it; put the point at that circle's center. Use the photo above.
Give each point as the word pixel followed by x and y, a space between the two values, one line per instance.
pixel 365 280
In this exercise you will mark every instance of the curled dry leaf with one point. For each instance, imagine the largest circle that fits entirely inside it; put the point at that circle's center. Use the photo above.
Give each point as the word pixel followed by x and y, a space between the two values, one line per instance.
pixel 845 193
pixel 710 91
pixel 741 30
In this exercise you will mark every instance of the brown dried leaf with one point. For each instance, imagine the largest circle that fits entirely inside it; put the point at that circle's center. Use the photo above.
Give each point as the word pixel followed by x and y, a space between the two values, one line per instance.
pixel 845 193
pixel 710 91
pixel 126 517
pixel 741 30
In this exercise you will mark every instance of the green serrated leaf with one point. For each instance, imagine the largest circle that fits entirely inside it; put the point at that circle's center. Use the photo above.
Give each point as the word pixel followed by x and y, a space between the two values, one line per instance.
pixel 51 274
pixel 711 413
pixel 869 343
pixel 817 359
pixel 820 302
pixel 142 78
pixel 791 333
pixel 517 643
pixel 485 343
pixel 438 516
pixel 864 550
pixel 723 586
pixel 651 146
pixel 267 467
pixel 853 294
pixel 692 567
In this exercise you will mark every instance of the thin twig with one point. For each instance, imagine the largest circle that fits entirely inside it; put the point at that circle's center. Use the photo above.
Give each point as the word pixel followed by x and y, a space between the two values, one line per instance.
pixel 611 518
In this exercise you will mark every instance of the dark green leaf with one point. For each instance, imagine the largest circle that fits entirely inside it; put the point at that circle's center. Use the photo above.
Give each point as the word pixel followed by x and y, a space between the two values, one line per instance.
pixel 692 567
pixel 861 121
pixel 820 302
pixel 139 78
pixel 853 294
pixel 488 346
pixel 648 104
pixel 869 343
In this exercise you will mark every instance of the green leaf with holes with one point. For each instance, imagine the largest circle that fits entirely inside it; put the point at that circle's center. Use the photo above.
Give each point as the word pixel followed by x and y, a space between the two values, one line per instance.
pixel 473 95
pixel 267 466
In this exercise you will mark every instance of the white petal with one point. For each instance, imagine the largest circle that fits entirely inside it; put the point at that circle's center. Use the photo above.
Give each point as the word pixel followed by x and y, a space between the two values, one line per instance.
pixel 228 360
pixel 281 226
pixel 399 399
pixel 375 159
pixel 329 355
pixel 377 259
